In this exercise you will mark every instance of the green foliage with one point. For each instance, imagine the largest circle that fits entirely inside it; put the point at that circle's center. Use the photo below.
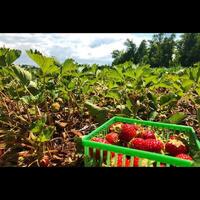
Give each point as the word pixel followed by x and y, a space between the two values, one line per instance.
pixel 176 118
pixel 22 75
pixel 47 64
pixel 8 56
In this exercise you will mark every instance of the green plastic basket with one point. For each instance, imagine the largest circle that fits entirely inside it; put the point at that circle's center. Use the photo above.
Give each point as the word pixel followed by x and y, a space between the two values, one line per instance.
pixel 132 153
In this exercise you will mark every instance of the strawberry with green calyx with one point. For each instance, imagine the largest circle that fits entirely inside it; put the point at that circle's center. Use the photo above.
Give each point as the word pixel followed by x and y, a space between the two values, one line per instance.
pixel 116 127
pixel 112 138
pixel 175 147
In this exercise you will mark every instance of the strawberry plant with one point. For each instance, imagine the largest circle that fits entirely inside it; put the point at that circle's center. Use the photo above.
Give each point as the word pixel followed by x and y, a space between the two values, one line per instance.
pixel 46 109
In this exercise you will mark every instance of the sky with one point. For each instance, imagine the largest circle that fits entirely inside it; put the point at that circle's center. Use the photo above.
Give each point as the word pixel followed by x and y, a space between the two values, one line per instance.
pixel 84 48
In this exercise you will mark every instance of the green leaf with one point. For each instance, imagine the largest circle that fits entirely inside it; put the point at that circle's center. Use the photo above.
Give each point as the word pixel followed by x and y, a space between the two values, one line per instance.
pixel 8 56
pixel 46 64
pixel 198 115
pixel 176 118
pixel 198 74
pixel 23 75
pixel 129 104
pixel 46 134
pixel 153 115
pixel 68 66
pixel 149 79
pixel 37 126
pixel 72 84
pixel 98 113
pixel 12 55
pixel 198 90
pixel 166 98
pixel 187 84
pixel 32 87
pixel 114 74
pixel 113 94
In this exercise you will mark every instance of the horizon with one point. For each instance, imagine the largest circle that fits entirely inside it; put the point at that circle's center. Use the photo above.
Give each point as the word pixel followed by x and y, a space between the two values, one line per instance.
pixel 84 48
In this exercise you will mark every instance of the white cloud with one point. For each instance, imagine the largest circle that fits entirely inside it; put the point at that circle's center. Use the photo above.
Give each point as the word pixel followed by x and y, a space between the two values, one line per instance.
pixel 87 48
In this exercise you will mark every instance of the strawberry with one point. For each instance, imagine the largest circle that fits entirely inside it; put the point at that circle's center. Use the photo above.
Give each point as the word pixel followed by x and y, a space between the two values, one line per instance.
pixel 120 161
pixel 116 127
pixel 152 145
pixel 137 143
pixel 175 147
pixel 184 156
pixel 101 140
pixel 112 138
pixel 147 134
pixel 128 132
pixel 136 162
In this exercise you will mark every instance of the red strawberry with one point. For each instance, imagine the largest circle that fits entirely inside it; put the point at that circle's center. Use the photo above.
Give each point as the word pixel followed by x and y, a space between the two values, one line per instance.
pixel 101 140
pixel 136 162
pixel 184 156
pixel 175 147
pixel 147 134
pixel 152 145
pixel 128 132
pixel 116 127
pixel 120 161
pixel 112 138
pixel 137 143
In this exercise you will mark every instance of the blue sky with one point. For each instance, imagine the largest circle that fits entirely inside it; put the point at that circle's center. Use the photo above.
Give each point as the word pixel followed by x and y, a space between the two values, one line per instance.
pixel 84 48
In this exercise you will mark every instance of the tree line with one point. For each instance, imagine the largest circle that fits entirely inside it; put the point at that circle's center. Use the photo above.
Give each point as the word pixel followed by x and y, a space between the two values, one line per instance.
pixel 162 51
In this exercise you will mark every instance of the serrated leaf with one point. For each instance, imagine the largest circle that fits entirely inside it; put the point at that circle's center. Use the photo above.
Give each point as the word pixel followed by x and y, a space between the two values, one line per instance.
pixel 114 74
pixel 97 112
pixel 8 56
pixel 198 115
pixel 176 118
pixel 46 64
pixel 113 94
pixel 23 75
pixel 46 134
pixel 12 55
pixel 166 98
pixel 68 66
pixel 187 84
pixel 38 125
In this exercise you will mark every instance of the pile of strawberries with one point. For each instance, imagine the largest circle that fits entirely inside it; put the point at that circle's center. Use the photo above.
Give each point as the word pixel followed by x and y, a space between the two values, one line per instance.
pixel 138 137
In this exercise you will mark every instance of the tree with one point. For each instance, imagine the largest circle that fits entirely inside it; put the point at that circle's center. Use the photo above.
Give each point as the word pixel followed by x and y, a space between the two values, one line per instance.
pixel 161 50
pixel 127 55
pixel 189 49
pixel 141 52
